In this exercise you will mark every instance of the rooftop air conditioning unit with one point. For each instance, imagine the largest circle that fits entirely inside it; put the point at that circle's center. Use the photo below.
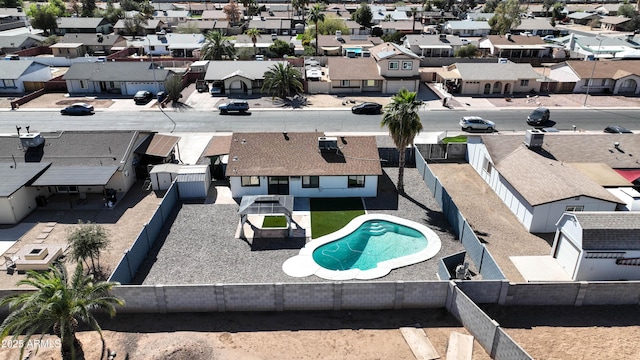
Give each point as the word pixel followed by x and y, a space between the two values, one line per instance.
pixel 31 140
pixel 443 36
pixel 366 54
pixel 533 139
pixel 508 36
pixel 338 34
pixel 326 143
pixel 274 37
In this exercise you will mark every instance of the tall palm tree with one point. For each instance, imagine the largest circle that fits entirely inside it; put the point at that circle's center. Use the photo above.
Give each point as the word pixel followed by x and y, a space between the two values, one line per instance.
pixel 402 118
pixel 282 81
pixel 254 34
pixel 216 46
pixel 316 15
pixel 58 303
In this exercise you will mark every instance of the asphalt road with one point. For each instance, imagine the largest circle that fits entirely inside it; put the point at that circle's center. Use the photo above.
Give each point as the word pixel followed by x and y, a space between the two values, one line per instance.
pixel 303 120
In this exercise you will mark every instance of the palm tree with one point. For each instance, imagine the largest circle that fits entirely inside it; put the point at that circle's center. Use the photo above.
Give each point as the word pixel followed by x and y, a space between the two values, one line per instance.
pixel 58 303
pixel 216 46
pixel 316 15
pixel 254 34
pixel 282 81
pixel 402 118
pixel 86 242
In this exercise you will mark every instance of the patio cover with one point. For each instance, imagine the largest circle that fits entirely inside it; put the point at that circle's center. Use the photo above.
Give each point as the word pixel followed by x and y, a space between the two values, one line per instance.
pixel 265 205
pixel 158 145
pixel 631 175
pixel 76 175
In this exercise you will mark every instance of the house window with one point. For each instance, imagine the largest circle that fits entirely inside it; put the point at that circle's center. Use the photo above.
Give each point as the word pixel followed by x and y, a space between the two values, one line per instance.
pixel 356 181
pixel 487 166
pixel 604 82
pixel 84 84
pixel 250 181
pixel 152 48
pixel 310 182
pixel 524 82
pixel 574 208
pixel 345 83
pixel 393 65
pixel 407 65
pixel 9 83
pixel 375 83
pixel 67 189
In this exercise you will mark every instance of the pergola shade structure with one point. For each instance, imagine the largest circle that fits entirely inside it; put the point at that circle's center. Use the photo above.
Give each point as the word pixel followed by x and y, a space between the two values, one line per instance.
pixel 265 205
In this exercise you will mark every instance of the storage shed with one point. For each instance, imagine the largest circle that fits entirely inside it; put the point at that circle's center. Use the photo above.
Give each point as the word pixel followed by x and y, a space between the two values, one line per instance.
pixel 193 181
pixel 163 175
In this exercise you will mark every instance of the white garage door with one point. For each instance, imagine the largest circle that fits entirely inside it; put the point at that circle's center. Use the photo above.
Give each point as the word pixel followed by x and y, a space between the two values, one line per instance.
pixel 567 255
pixel 134 87
pixel 394 86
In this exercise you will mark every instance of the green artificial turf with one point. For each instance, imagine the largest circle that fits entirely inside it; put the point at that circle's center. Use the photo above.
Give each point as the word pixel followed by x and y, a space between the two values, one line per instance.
pixel 455 139
pixel 274 222
pixel 331 214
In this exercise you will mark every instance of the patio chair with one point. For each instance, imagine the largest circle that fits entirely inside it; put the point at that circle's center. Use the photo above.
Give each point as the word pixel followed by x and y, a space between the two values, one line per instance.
pixel 10 263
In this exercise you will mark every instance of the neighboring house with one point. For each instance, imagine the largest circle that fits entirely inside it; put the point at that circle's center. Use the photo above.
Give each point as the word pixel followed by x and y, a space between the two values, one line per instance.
pixel 239 77
pixel 620 77
pixel 213 15
pixel 78 45
pixel 12 18
pixel 203 25
pixel 613 23
pixel 303 164
pixel 598 47
pixel 70 162
pixel 352 75
pixel 514 46
pixel 16 75
pixel 490 78
pixel 479 16
pixel 263 42
pixel 176 45
pixel 88 25
pixel 151 27
pixel 437 17
pixel 405 26
pixel 582 18
pixel 13 43
pixel 380 14
pixel 540 182
pixel 467 28
pixel 598 246
pixel 539 27
pixel 339 44
pixel 125 78
pixel 272 26
pixel 171 17
pixel 434 45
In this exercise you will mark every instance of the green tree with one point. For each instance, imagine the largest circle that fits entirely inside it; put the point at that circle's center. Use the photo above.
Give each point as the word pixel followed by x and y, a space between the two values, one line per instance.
pixel 280 48
pixel 86 242
pixel 59 7
pixel 111 13
pixel 254 34
pixel 88 7
pixel 315 16
pixel 547 4
pixel 330 24
pixel 10 3
pixel 627 10
pixel 135 25
pixel 232 10
pixel 216 47
pixel 190 27
pixel 58 303
pixel 300 6
pixel 363 15
pixel 467 51
pixel 403 121
pixel 394 37
pixel 490 6
pixel 282 81
pixel 506 16
pixel 43 18
pixel 173 85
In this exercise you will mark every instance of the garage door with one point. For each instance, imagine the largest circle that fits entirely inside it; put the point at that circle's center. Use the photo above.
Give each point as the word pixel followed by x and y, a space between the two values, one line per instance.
pixel 134 87
pixel 394 86
pixel 567 255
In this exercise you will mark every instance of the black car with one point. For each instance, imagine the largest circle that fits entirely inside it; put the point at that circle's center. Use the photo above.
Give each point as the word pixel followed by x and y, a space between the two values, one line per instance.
pixel 142 97
pixel 538 116
pixel 77 109
pixel 367 108
pixel 616 129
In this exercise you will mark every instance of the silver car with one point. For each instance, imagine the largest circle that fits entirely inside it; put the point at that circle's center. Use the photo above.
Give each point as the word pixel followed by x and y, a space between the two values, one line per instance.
pixel 477 123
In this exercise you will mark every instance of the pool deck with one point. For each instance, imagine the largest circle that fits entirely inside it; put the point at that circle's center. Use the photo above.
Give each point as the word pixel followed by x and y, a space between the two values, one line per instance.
pixel 200 246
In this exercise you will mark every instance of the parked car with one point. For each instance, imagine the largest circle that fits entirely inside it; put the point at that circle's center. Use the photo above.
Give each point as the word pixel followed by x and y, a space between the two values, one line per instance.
pixel 538 116
pixel 240 106
pixel 215 90
pixel 202 86
pixel 477 123
pixel 617 129
pixel 142 97
pixel 77 109
pixel 367 108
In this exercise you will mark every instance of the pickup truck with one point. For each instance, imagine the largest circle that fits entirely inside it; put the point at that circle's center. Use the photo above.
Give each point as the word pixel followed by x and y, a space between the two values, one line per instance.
pixel 202 86
pixel 240 106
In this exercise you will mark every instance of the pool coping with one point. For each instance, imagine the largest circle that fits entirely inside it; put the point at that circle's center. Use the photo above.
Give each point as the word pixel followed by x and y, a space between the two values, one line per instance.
pixel 303 265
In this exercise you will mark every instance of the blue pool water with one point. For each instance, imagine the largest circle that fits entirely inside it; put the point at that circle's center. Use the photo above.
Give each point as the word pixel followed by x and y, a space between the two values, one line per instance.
pixel 355 50
pixel 372 242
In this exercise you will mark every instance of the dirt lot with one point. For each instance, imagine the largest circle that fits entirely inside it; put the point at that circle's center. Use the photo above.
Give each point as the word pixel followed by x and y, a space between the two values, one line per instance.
pixel 57 100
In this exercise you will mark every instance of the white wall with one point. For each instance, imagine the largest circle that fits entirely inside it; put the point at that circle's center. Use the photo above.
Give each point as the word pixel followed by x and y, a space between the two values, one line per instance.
pixel 20 204
pixel 330 186
pixel 547 215
pixel 6 212
pixel 606 269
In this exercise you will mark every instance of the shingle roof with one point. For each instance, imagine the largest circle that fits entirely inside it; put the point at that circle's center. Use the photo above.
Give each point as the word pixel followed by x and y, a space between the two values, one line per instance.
pixel 349 40
pixel 343 68
pixel 468 25
pixel 603 69
pixel 158 145
pixel 16 41
pixel 14 177
pixel 93 39
pixel 388 50
pixel 296 154
pixel 219 145
pixel 498 40
pixel 540 180
pixel 601 174
pixel 425 40
pixel 79 22
pixel 218 70
pixel 615 20
pixel 495 71
pixel 574 148
pixel 534 24
pixel 116 71
pixel 58 175
pixel 604 230
pixel 15 69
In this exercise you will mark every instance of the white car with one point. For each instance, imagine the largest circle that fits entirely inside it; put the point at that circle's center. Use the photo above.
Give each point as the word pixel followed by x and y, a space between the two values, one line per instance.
pixel 477 123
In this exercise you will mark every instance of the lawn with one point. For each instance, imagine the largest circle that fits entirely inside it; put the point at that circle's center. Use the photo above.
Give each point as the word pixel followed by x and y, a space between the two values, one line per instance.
pixel 274 222
pixel 455 139
pixel 331 214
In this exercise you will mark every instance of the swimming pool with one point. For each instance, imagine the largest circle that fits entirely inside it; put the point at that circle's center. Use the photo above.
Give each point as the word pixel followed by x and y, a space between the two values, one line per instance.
pixel 369 247
pixel 356 50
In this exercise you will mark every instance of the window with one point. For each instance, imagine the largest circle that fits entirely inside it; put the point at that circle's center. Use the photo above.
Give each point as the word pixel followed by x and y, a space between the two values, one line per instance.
pixel 393 65
pixel 310 181
pixel 375 83
pixel 407 65
pixel 604 82
pixel 524 82
pixel 250 181
pixel 9 83
pixel 487 166
pixel 574 208
pixel 83 84
pixel 345 83
pixel 67 189
pixel 356 181
pixel 152 48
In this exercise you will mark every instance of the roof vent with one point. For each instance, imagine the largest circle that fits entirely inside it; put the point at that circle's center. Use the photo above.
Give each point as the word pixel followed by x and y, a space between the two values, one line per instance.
pixel 31 140
pixel 443 36
pixel 533 139
pixel 326 143
pixel 274 37
pixel 508 35
pixel 338 34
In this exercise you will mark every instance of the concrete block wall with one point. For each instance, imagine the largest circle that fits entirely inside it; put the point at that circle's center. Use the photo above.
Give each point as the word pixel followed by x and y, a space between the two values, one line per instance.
pixel 308 296
pixel 249 297
pixel 138 299
pixel 504 348
pixel 609 293
pixel 542 294
pixel 189 298
pixel 425 294
pixel 483 291
pixel 368 295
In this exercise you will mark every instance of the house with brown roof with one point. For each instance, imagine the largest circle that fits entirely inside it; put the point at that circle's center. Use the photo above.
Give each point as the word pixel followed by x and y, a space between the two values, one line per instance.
pixel 399 67
pixel 303 164
pixel 514 46
pixel 339 43
pixel 489 78
pixel 613 23
pixel 602 76
pixel 77 45
pixel 541 176
pixel 353 75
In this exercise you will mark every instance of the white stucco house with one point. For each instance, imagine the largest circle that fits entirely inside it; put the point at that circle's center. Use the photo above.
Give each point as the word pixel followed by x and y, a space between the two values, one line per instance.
pixel 594 246
pixel 14 74
pixel 125 78
pixel 303 164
